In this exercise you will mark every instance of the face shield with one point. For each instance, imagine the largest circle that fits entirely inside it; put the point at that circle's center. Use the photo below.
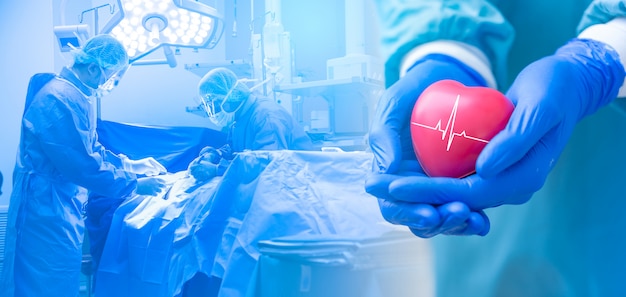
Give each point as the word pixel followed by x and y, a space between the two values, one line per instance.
pixel 212 104
pixel 110 81
pixel 221 110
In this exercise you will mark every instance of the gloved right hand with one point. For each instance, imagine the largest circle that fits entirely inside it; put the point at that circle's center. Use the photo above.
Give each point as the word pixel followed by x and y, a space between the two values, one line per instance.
pixel 390 141
pixel 146 166
pixel 150 185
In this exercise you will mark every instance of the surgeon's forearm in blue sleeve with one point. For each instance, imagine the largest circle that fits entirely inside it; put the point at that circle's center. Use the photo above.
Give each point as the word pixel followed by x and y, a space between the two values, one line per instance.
pixel 73 156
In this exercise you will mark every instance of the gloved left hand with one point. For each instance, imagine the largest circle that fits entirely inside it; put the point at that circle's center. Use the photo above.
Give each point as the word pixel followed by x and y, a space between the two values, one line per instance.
pixel 203 170
pixel 210 154
pixel 151 185
pixel 146 166
pixel 423 219
pixel 206 165
pixel 550 96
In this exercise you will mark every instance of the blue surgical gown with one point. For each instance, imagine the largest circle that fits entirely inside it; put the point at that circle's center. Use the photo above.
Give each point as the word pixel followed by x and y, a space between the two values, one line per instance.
pixel 59 159
pixel 262 124
pixel 568 240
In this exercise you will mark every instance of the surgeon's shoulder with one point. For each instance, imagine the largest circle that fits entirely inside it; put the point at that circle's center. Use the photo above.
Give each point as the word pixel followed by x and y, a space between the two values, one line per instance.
pixel 64 91
pixel 272 110
pixel 62 95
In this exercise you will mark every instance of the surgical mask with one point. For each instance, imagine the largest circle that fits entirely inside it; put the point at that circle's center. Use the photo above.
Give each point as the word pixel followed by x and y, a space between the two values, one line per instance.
pixel 223 119
pixel 216 103
pixel 227 98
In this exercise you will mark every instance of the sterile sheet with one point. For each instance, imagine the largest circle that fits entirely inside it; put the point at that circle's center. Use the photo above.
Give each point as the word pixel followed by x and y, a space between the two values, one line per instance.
pixel 174 147
pixel 155 244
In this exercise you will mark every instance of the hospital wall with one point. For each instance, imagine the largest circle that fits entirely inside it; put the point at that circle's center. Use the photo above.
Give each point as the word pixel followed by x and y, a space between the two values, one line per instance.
pixel 27 48
pixel 154 94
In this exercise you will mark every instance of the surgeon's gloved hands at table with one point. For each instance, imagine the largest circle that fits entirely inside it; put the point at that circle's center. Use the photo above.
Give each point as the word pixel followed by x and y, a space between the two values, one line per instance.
pixel 146 166
pixel 211 162
pixel 203 170
pixel 394 158
pixel 210 154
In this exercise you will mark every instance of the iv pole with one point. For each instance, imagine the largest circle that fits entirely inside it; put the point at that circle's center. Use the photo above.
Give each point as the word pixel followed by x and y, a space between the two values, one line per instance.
pixel 96 32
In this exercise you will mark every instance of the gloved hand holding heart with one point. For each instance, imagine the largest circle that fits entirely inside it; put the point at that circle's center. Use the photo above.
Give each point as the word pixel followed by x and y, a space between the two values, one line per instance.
pixel 452 123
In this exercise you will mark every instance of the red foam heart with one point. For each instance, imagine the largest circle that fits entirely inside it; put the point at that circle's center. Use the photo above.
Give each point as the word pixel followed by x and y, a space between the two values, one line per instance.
pixel 452 123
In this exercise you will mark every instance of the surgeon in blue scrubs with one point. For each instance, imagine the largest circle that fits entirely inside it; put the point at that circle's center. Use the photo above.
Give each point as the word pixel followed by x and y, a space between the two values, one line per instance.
pixel 548 198
pixel 59 160
pixel 252 122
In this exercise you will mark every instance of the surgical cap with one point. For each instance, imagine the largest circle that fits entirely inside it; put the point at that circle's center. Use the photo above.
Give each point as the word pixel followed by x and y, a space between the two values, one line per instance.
pixel 219 82
pixel 104 50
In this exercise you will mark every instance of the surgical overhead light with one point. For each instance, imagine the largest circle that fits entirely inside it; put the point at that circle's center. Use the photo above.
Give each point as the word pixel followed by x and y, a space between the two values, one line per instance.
pixel 145 25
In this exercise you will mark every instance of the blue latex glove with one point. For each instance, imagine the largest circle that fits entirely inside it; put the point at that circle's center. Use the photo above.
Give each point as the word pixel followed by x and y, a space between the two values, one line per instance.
pixel 203 170
pixel 394 158
pixel 210 154
pixel 550 95
pixel 146 166
pixel 151 185
pixel 211 162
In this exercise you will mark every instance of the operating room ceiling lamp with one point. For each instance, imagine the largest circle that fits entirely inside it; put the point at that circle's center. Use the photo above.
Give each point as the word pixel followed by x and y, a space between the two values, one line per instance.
pixel 145 25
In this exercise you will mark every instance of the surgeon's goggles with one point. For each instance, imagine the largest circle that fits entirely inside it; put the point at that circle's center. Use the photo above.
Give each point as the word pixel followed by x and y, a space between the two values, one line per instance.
pixel 211 105
pixel 113 78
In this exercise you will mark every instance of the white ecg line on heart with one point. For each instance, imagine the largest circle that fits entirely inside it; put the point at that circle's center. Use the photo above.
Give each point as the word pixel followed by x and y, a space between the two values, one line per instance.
pixel 450 127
